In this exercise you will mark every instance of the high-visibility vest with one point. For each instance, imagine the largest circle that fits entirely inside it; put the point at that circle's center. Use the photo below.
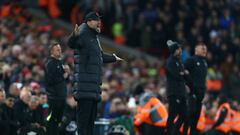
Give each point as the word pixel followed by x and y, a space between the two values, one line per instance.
pixel 5 10
pixel 227 123
pixel 201 121
pixel 42 3
pixel 236 121
pixel 214 85
pixel 152 113
pixel 53 9
pixel 209 122
pixel 138 117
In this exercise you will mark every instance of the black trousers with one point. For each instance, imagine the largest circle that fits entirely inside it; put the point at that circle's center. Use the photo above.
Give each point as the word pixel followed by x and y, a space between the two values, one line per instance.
pixel 86 115
pixel 195 108
pixel 55 113
pixel 146 129
pixel 217 132
pixel 235 133
pixel 4 128
pixel 177 109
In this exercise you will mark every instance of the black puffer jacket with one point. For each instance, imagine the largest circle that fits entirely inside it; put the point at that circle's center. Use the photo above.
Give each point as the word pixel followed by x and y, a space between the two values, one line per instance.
pixel 55 82
pixel 88 60
pixel 175 81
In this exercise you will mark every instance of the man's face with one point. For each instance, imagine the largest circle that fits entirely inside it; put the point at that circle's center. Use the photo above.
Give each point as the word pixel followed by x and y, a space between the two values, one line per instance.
pixel 43 99
pixel 26 97
pixel 95 24
pixel 201 50
pixel 10 102
pixel 56 51
pixel 2 96
pixel 178 52
pixel 33 104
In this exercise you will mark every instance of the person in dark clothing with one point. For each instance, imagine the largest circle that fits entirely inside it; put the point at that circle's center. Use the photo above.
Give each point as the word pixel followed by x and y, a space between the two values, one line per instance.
pixel 34 118
pixel 88 58
pixel 43 103
pixel 21 108
pixel 176 91
pixel 8 107
pixel 69 125
pixel 197 68
pixel 4 128
pixel 28 114
pixel 55 75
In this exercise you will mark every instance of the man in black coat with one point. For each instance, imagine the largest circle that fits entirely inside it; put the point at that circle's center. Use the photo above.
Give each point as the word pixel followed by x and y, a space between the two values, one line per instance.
pixel 55 75
pixel 176 89
pixel 197 67
pixel 88 59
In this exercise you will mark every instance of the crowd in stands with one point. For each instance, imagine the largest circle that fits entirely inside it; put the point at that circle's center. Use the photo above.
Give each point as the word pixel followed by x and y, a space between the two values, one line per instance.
pixel 144 24
pixel 147 25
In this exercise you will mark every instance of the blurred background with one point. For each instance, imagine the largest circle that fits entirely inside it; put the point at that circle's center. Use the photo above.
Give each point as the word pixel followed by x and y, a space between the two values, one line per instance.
pixel 136 30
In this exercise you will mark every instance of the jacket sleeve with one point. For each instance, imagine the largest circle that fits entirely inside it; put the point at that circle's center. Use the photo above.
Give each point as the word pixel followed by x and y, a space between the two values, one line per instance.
pixel 54 74
pixel 189 65
pixel 221 118
pixel 19 114
pixel 108 58
pixel 72 41
pixel 171 70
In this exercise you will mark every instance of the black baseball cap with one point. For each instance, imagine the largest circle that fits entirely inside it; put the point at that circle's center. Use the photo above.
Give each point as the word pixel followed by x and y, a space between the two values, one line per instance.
pixel 92 16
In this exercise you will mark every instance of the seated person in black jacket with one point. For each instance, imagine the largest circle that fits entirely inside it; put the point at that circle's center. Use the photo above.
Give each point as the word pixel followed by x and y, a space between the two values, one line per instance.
pixel 21 107
pixel 34 118
pixel 12 122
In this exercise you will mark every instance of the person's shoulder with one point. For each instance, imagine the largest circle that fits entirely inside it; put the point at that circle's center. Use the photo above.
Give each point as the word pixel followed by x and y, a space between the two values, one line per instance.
pixel 191 58
pixel 49 60
pixel 83 29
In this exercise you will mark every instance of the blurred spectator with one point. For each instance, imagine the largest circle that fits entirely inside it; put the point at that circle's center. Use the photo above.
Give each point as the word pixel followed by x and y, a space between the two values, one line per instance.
pixel 34 118
pixel 43 103
pixel 2 96
pixel 104 105
pixel 4 126
pixel 118 107
pixel 8 107
pixel 14 90
pixel 21 107
pixel 118 34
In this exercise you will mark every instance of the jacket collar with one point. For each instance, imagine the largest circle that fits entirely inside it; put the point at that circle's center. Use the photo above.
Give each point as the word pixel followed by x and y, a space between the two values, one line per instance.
pixel 90 29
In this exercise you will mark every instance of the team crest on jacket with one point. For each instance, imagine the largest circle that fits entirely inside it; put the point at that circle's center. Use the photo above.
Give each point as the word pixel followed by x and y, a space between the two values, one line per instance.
pixel 177 64
pixel 198 63
pixel 205 63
